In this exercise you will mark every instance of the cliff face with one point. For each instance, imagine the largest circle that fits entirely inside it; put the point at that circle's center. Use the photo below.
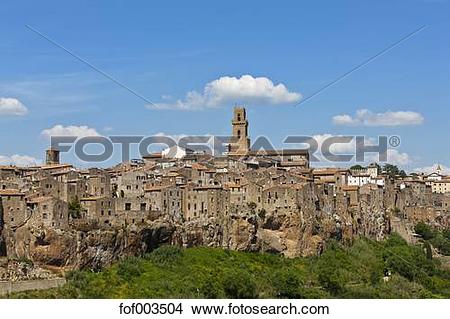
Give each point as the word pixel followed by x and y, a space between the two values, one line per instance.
pixel 301 231
pixel 87 248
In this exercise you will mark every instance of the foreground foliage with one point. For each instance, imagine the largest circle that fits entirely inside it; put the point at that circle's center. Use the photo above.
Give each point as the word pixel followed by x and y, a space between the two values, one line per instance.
pixel 340 272
pixel 438 239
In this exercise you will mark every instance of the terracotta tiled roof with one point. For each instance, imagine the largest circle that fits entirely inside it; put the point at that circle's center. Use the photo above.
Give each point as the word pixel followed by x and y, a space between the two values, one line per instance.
pixel 56 166
pixel 11 192
pixel 40 199
pixel 92 198
pixel 350 188
pixel 328 171
pixel 199 167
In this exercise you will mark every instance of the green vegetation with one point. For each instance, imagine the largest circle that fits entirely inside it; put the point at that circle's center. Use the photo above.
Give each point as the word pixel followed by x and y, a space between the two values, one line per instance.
pixel 438 239
pixel 340 272
pixel 389 169
pixel 75 208
pixel 393 171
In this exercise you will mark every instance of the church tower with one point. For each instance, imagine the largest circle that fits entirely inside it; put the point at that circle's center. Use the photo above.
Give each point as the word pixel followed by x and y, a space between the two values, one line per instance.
pixel 239 143
pixel 51 156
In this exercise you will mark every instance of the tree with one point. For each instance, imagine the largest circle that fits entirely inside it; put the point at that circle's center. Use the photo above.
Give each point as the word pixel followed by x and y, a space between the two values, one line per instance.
pixel 393 170
pixel 446 233
pixel 239 284
pixel 424 231
pixel 75 208
pixel 356 167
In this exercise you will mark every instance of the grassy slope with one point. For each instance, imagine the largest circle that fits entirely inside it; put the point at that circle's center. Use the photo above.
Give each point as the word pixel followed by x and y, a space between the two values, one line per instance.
pixel 341 272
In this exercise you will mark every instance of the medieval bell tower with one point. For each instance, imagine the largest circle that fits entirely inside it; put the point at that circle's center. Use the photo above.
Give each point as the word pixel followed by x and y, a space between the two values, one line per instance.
pixel 51 156
pixel 239 143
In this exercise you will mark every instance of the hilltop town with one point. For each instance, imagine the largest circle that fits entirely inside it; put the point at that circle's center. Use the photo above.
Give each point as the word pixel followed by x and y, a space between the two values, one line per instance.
pixel 60 216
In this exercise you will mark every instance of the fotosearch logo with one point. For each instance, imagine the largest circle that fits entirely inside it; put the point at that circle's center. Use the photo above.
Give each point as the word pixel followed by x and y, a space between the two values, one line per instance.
pixel 338 149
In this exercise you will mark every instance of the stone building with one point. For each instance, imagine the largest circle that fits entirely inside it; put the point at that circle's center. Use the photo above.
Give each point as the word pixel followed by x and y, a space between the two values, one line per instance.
pixel 48 211
pixel 13 208
pixel 98 182
pixel 100 209
pixel 205 201
pixel 52 156
pixel 166 199
pixel 240 142
pixel 441 186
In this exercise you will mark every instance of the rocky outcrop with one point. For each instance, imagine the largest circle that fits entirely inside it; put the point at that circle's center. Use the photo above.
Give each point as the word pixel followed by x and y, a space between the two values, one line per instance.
pixel 94 249
pixel 297 231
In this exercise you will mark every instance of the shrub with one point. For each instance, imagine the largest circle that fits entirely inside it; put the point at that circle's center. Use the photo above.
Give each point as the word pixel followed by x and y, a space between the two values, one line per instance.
pixel 424 231
pixel 165 255
pixel 239 284
pixel 288 283
pixel 129 268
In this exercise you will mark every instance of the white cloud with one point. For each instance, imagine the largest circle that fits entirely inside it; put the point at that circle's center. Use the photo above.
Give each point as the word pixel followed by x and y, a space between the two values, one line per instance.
pixel 390 118
pixel 18 160
pixel 12 106
pixel 71 130
pixel 433 168
pixel 229 90
pixel 394 156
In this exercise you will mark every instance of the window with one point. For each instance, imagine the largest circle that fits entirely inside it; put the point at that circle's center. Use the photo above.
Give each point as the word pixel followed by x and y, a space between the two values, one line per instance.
pixel 143 206
pixel 44 216
pixel 127 206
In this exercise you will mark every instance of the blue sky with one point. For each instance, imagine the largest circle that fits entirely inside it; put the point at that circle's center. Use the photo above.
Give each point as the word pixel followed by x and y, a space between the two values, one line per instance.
pixel 163 50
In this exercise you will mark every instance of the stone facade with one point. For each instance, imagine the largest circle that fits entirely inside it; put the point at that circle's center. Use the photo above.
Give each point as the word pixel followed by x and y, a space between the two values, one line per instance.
pixel 264 201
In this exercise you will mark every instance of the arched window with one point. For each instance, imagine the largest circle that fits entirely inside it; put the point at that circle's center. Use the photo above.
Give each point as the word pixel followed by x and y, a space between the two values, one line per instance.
pixel 239 133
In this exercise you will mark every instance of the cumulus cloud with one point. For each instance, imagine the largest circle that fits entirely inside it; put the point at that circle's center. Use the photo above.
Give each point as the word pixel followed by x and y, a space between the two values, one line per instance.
pixel 394 156
pixel 12 107
pixel 229 90
pixel 390 118
pixel 18 160
pixel 71 130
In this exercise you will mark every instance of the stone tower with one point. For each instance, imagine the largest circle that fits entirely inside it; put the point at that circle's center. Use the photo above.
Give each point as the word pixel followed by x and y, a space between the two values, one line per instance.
pixel 239 143
pixel 51 156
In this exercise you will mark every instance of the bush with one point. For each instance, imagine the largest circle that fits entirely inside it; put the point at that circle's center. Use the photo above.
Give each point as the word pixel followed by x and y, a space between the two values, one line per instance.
pixel 239 284
pixel 165 255
pixel 446 233
pixel 332 270
pixel 424 231
pixel 288 283
pixel 129 268
pixel 442 244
